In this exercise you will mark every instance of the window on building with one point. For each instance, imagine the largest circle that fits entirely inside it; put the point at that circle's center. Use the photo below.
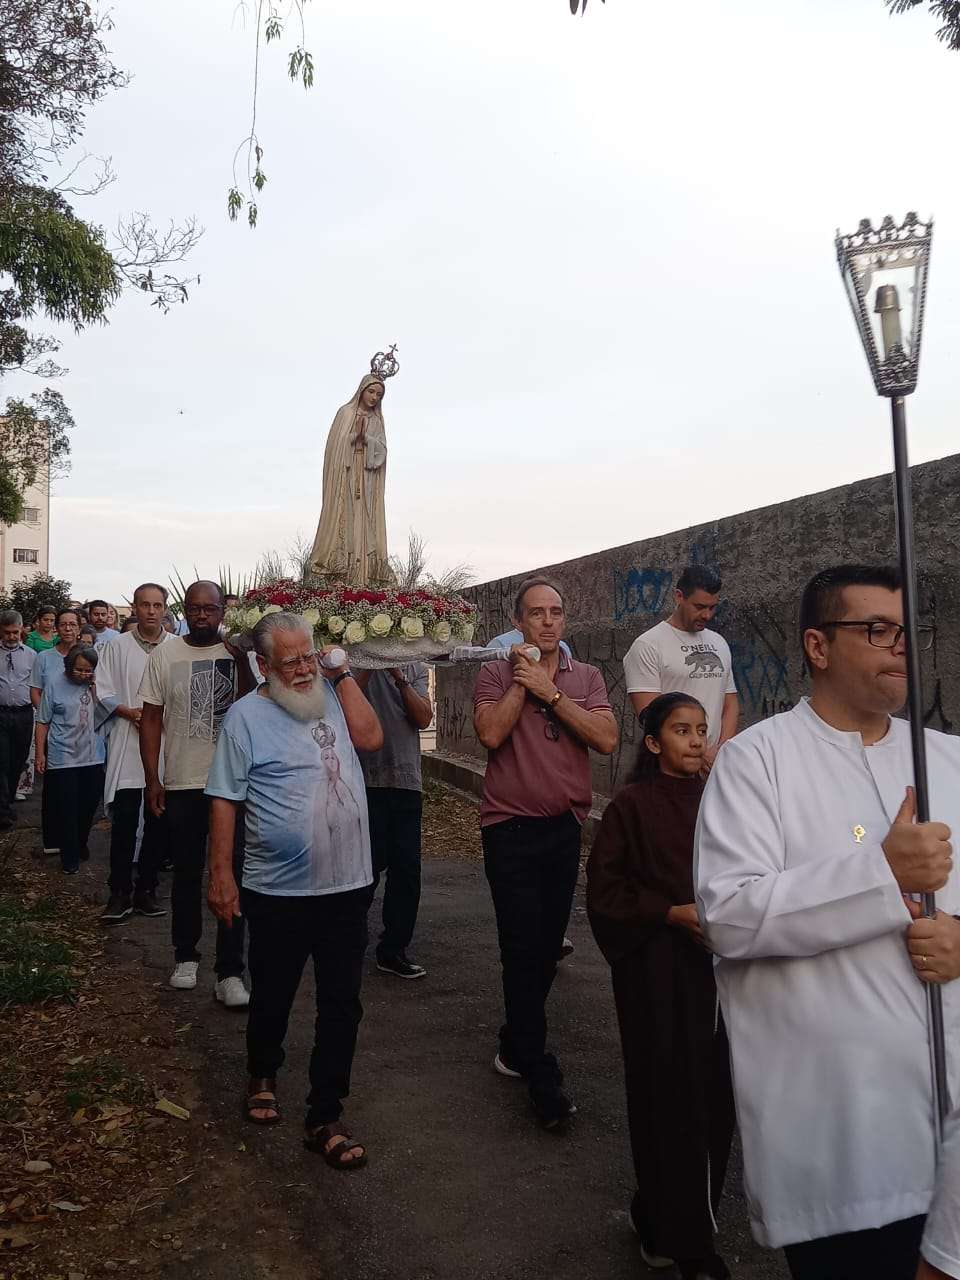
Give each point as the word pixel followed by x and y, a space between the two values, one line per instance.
pixel 31 515
pixel 25 555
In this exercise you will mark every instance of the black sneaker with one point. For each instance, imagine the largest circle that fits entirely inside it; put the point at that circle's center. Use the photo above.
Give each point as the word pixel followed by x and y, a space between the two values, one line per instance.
pixel 711 1268
pixel 566 948
pixel 551 1104
pixel 400 967
pixel 117 909
pixel 145 904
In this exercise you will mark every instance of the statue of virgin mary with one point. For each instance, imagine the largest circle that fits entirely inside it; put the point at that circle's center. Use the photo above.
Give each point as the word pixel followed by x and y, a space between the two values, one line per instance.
pixel 351 541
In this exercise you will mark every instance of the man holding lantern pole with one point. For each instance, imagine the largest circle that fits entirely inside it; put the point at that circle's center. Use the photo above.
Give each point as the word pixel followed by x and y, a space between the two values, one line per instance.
pixel 807 860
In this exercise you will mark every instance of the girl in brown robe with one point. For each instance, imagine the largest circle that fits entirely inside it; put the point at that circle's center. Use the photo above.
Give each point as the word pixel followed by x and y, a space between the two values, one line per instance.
pixel 641 909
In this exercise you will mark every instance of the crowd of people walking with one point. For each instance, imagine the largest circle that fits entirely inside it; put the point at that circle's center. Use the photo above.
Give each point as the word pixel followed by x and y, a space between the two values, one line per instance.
pixel 754 892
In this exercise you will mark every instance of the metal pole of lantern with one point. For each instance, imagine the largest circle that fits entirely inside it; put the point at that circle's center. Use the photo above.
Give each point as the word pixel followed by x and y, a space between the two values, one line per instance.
pixel 876 264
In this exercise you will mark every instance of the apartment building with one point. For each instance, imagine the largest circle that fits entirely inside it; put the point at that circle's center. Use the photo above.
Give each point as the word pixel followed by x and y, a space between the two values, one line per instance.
pixel 25 547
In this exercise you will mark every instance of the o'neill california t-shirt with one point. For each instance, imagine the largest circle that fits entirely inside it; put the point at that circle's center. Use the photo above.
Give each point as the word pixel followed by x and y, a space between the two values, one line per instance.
pixel 195 686
pixel 667 660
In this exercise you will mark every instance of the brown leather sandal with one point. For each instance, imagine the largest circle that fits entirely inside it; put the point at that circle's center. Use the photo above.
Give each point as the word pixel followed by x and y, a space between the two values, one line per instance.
pixel 316 1140
pixel 262 1096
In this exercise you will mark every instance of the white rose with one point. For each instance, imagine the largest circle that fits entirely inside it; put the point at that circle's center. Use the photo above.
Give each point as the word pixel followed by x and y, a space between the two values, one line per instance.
pixel 272 608
pixel 381 624
pixel 354 633
pixel 411 628
pixel 440 632
pixel 466 632
pixel 250 618
pixel 312 618
pixel 335 625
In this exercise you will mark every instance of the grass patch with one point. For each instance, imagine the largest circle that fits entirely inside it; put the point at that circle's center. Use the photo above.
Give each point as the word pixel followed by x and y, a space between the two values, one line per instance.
pixel 101 1077
pixel 34 967
pixel 15 910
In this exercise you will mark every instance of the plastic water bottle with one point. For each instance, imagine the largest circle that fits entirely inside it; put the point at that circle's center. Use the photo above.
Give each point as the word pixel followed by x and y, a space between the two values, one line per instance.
pixel 335 658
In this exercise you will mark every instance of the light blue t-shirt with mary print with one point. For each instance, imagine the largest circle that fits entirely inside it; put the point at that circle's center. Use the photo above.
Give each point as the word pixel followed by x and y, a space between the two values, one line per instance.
pixel 72 740
pixel 306 807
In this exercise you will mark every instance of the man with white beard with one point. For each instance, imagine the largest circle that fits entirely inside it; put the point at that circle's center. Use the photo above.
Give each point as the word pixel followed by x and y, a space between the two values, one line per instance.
pixel 287 754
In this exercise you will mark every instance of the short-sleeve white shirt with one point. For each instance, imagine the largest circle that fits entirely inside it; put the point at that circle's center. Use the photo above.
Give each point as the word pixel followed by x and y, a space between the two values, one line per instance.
pixel 667 660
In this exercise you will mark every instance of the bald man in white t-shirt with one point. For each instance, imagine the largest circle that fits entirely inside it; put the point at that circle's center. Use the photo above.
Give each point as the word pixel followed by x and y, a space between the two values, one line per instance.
pixel 682 655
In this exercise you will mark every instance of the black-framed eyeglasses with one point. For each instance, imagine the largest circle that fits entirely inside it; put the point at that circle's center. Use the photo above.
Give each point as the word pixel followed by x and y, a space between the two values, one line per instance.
pixel 551 729
pixel 887 635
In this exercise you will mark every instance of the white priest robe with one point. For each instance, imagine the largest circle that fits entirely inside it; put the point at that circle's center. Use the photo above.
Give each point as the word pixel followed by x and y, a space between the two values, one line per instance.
pixel 120 669
pixel 825 1014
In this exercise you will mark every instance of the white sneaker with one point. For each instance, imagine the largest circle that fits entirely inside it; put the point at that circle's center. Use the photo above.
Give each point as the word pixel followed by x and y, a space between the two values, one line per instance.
pixel 232 993
pixel 21 795
pixel 184 976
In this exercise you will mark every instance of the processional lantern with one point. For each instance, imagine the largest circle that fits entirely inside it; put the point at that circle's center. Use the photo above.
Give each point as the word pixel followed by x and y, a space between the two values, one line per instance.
pixel 885 273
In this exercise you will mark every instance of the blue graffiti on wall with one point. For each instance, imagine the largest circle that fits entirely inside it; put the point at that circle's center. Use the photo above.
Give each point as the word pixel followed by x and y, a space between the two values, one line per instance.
pixel 640 591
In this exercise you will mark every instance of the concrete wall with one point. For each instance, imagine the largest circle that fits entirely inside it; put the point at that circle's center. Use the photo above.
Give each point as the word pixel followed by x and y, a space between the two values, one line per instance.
pixel 765 557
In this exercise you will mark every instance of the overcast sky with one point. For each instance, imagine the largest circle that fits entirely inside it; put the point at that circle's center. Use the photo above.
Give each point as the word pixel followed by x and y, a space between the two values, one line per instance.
pixel 604 246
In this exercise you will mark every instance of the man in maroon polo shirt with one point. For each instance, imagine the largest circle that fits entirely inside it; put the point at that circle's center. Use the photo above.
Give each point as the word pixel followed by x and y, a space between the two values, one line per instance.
pixel 538 721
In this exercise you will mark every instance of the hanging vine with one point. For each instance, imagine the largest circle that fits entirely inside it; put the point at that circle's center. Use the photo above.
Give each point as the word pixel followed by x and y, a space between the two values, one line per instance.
pixel 249 177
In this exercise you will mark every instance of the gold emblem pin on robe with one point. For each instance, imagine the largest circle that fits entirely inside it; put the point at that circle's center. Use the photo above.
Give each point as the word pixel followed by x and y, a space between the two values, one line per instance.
pixel 858 833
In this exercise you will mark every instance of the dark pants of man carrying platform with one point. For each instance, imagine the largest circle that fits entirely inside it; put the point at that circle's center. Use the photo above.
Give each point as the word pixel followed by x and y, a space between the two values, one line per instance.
pixel 532 866
pixel 285 932
pixel 395 820
pixel 187 814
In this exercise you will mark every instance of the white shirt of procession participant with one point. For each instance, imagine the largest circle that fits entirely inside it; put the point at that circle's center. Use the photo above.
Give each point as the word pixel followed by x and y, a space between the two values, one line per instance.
pixel 120 674
pixel 825 1013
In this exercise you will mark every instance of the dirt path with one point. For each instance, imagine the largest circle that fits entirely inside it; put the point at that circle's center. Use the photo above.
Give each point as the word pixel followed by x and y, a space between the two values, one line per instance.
pixel 461 1184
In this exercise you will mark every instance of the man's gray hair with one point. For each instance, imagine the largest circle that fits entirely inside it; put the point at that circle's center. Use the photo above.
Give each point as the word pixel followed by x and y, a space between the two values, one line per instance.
pixel 263 631
pixel 10 618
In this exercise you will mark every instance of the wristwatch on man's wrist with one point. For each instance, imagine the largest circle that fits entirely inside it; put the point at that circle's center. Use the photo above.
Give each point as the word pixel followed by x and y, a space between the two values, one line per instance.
pixel 344 675
pixel 555 699
pixel 400 681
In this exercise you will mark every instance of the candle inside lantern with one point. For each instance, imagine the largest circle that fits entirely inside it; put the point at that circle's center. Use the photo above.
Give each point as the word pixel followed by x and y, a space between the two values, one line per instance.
pixel 888 309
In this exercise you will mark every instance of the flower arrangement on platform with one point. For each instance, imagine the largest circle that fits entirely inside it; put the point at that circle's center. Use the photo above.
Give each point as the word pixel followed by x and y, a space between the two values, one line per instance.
pixel 358 617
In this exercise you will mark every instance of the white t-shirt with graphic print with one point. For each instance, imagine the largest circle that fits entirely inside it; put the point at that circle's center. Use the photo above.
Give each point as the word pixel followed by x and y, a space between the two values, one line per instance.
pixel 667 660
pixel 196 686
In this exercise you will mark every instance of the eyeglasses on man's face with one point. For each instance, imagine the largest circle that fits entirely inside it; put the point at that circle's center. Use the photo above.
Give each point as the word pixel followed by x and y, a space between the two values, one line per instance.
pixel 289 665
pixel 887 635
pixel 195 609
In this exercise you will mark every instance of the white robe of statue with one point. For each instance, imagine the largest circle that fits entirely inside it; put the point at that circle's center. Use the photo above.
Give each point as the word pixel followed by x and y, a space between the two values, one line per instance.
pixel 351 541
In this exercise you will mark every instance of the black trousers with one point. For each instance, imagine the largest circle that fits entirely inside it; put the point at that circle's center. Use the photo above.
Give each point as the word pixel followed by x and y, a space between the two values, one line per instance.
pixel 395 820
pixel 46 820
pixel 532 866
pixel 16 729
pixel 284 933
pixel 885 1253
pixel 74 795
pixel 125 810
pixel 188 822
